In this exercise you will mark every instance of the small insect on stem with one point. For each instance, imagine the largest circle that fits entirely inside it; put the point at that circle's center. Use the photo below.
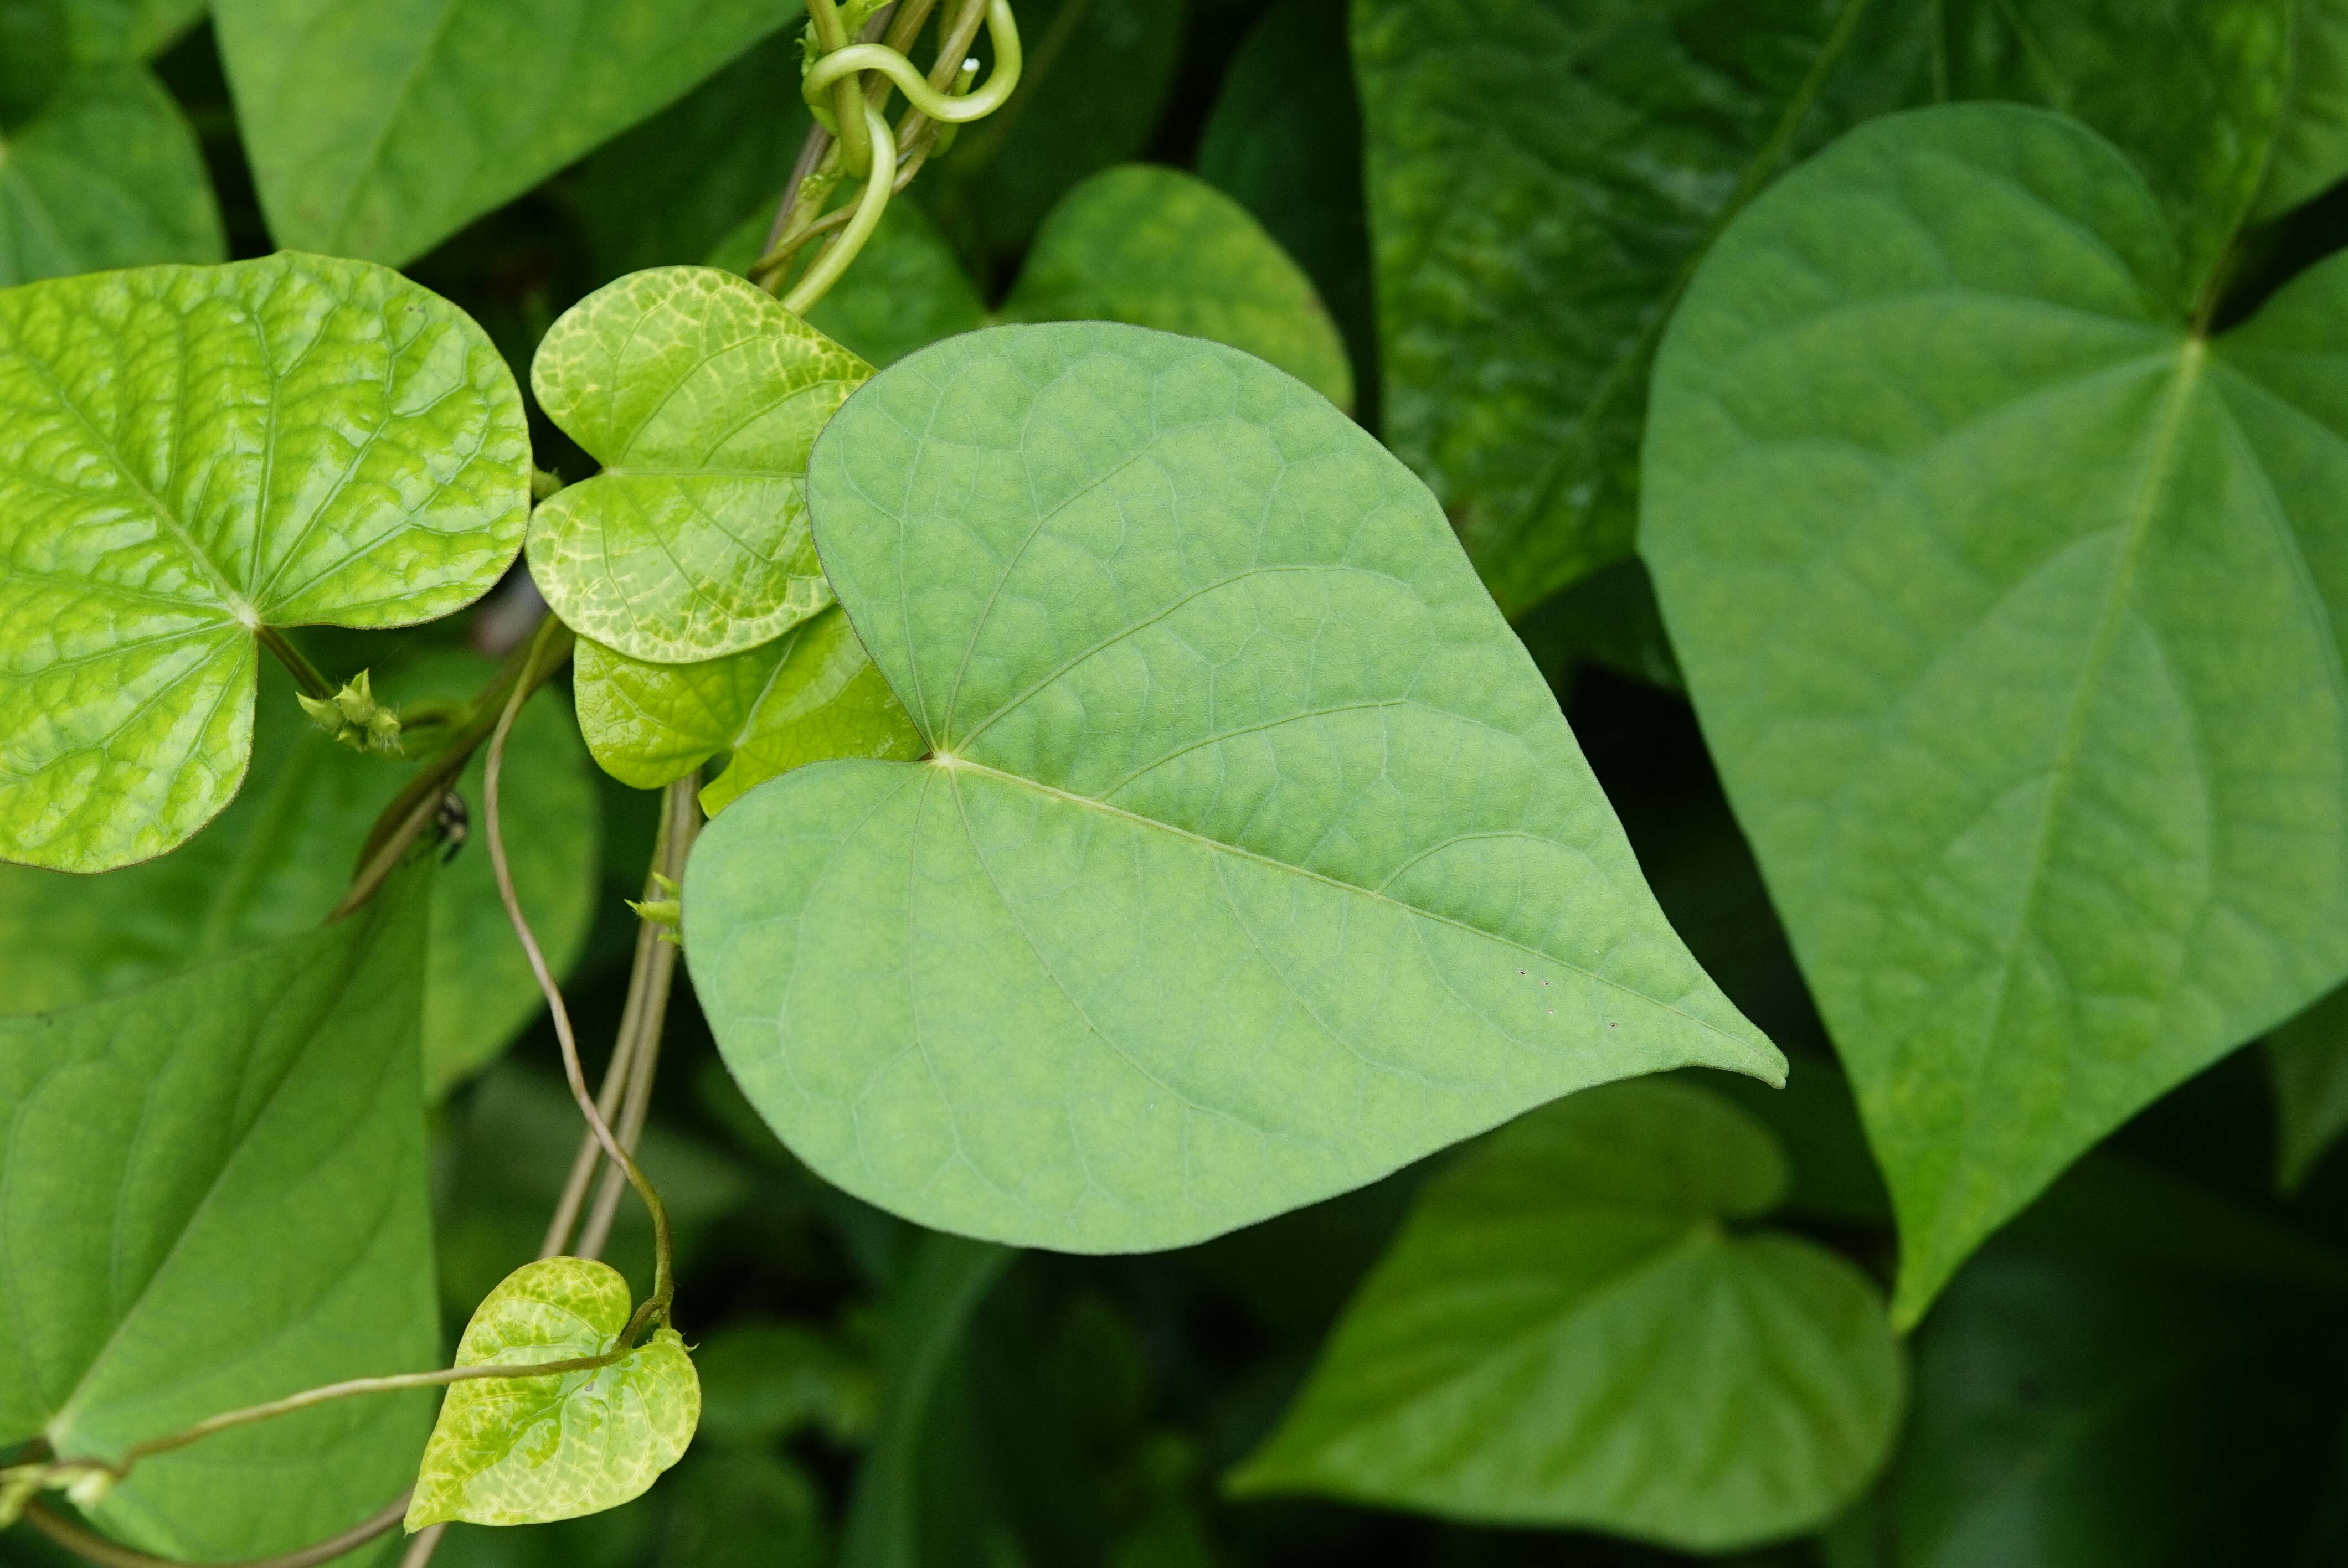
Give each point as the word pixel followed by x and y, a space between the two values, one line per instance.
pixel 452 823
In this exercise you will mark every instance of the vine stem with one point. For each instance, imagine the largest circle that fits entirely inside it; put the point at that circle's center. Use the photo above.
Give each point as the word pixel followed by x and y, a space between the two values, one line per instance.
pixel 833 259
pixel 664 1282
pixel 98 1549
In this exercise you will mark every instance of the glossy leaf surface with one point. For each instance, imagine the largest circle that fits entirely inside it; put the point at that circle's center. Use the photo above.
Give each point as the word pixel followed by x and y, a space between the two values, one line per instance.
pixel 809 695
pixel 1255 861
pixel 1155 247
pixel 189 455
pixel 106 173
pixel 278 859
pixel 701 396
pixel 1565 1335
pixel 2010 606
pixel 215 1197
pixel 525 1451
pixel 377 128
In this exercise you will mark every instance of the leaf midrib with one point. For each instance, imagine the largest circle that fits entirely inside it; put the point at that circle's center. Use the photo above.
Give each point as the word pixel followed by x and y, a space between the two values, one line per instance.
pixel 956 764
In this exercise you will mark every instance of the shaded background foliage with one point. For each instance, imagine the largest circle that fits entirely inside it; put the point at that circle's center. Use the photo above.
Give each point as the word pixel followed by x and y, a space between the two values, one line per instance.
pixel 2142 1369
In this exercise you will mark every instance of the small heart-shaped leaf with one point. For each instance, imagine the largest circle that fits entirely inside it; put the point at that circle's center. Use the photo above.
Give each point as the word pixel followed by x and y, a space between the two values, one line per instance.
pixel 810 694
pixel 702 397
pixel 525 1451
pixel 189 456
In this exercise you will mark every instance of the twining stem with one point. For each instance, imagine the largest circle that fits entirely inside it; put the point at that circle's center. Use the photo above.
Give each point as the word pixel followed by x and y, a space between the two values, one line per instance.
pixel 839 64
pixel 834 257
pixel 412 810
pixel 98 1549
pixel 663 1291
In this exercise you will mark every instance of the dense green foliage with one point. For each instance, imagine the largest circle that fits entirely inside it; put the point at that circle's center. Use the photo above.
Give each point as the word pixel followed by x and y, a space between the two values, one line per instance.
pixel 1553 782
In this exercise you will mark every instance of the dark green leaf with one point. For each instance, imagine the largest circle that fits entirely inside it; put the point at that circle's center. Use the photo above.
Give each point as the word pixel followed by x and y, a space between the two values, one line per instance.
pixel 1156 248
pixel 195 454
pixel 1284 140
pixel 378 128
pixel 926 1316
pixel 1566 1334
pixel 2308 1059
pixel 280 857
pixel 215 1197
pixel 676 185
pixel 104 174
pixel 2010 604
pixel 740 1508
pixel 766 1380
pixel 1254 859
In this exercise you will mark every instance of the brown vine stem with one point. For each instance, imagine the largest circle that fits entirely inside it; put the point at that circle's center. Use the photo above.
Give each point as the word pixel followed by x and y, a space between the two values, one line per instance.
pixel 98 1549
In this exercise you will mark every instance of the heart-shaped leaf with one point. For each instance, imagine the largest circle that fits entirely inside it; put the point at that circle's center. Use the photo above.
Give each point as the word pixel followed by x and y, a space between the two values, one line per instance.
pixel 189 456
pixel 1543 175
pixel 1254 861
pixel 378 128
pixel 278 858
pixel 215 1195
pixel 525 1451
pixel 1565 1335
pixel 809 695
pixel 2011 603
pixel 701 397
pixel 106 173
pixel 1160 248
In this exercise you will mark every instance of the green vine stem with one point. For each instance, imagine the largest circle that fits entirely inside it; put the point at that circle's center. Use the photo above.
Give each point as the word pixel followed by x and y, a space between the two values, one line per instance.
pixel 841 249
pixel 100 1549
pixel 656 1306
pixel 1001 27
pixel 856 147
pixel 314 683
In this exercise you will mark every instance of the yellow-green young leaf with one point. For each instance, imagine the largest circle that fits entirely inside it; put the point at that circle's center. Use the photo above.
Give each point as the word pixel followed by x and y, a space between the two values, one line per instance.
pixel 524 1450
pixel 106 173
pixel 377 128
pixel 215 1195
pixel 701 396
pixel 2307 1062
pixel 189 456
pixel 1569 1333
pixel 809 695
pixel 280 856
pixel 1255 859
pixel 1160 248
pixel 2011 604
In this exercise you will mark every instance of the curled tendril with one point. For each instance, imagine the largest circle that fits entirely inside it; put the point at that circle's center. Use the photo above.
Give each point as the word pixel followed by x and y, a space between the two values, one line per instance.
pixel 834 257
pixel 944 107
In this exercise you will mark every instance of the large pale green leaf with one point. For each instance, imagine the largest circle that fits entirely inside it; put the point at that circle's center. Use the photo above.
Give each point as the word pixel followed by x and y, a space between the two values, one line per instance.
pixel 2306 1059
pixel 1158 248
pixel 524 1450
pixel 190 455
pixel 2011 605
pixel 1254 860
pixel 701 396
pixel 1543 175
pixel 809 695
pixel 281 856
pixel 1568 1332
pixel 212 1193
pixel 106 173
pixel 378 128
